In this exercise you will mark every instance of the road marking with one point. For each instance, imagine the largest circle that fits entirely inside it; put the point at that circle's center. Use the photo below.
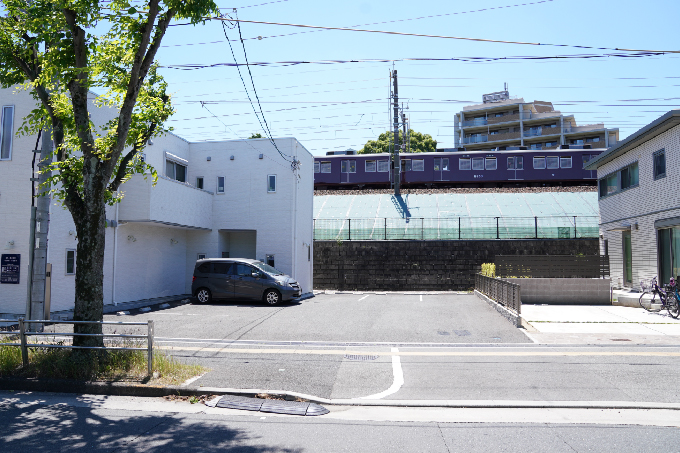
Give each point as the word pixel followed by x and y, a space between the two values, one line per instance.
pixel 398 379
pixel 421 297
pixel 364 297
pixel 428 353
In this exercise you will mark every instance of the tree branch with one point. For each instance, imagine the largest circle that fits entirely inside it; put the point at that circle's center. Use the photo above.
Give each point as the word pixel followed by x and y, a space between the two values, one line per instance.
pixel 122 169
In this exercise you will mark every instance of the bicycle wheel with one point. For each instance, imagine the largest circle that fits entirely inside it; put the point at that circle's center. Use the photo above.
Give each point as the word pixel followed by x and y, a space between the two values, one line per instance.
pixel 647 304
pixel 672 305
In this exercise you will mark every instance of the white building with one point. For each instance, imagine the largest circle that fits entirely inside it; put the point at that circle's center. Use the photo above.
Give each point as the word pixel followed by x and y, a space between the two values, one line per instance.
pixel 640 203
pixel 237 198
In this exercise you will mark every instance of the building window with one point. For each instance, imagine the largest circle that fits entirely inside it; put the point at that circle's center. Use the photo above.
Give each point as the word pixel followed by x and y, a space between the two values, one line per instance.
pixel 630 176
pixel 370 166
pixel 660 164
pixel 578 141
pixel 200 256
pixel 317 167
pixel 620 180
pixel 383 166
pixel 593 139
pixel 406 165
pixel 565 162
pixel 464 163
pixel 348 166
pixel 325 167
pixel 536 146
pixel 550 144
pixel 70 262
pixel 270 260
pixel 441 164
pixel 552 162
pixel 516 163
pixel 418 164
pixel 539 162
pixel 199 182
pixel 175 170
pixel 478 163
pixel 220 184
pixel 491 163
pixel 6 128
pixel 271 183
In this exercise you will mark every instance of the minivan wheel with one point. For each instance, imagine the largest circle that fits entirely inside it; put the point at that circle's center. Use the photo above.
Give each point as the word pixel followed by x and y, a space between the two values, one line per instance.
pixel 203 295
pixel 272 297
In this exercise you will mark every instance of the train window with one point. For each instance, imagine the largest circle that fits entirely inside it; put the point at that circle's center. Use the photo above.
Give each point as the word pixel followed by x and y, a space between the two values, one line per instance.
pixel 553 162
pixel 317 167
pixel 565 162
pixel 418 164
pixel 370 166
pixel 348 166
pixel 490 163
pixel 478 163
pixel 325 167
pixel 383 166
pixel 464 163
pixel 539 162
pixel 406 165
pixel 516 163
pixel 441 164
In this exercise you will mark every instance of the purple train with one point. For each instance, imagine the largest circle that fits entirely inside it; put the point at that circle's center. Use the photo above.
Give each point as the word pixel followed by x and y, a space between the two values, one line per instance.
pixel 498 168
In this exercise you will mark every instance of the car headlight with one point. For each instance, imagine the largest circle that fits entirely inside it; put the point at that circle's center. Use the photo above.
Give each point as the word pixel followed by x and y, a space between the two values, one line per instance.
pixel 280 283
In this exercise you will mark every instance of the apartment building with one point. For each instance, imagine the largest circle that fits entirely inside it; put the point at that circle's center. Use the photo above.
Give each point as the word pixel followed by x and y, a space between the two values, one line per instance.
pixel 503 122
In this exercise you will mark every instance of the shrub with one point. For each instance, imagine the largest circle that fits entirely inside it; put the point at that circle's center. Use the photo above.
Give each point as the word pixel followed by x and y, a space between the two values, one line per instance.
pixel 489 270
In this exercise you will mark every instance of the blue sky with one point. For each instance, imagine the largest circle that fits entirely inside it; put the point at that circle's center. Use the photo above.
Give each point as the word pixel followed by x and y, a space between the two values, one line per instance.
pixel 338 106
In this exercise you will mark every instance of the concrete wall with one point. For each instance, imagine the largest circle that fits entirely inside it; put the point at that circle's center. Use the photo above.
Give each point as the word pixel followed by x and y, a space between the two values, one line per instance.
pixel 564 291
pixel 423 265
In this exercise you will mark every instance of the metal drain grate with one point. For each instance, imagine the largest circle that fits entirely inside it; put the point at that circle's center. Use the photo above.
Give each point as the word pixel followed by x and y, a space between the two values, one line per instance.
pixel 272 406
pixel 360 357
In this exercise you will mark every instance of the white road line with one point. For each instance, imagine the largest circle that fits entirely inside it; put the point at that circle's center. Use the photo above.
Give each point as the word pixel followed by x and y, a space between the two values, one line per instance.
pixel 398 379
pixel 364 297
pixel 421 297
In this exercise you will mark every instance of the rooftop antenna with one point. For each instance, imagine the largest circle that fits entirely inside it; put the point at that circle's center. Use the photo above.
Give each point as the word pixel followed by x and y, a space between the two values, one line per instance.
pixel 505 86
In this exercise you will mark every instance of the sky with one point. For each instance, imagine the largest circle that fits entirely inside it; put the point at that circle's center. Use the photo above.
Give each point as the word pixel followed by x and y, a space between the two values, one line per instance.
pixel 338 105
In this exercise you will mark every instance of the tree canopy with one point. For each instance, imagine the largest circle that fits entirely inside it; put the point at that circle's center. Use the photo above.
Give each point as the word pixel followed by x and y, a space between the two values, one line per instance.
pixel 417 143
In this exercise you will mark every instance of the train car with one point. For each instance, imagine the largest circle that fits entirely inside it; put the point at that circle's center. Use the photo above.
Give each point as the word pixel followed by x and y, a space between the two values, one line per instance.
pixel 517 167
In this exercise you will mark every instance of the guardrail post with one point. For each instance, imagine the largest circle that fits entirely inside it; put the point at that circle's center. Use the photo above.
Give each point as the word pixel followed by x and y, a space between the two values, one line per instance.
pixel 574 227
pixel 422 228
pixel 149 343
pixel 459 228
pixel 385 228
pixel 536 226
pixel 497 235
pixel 22 336
pixel 349 229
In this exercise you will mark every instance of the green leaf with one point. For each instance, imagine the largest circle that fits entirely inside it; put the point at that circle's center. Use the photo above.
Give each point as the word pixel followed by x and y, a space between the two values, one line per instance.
pixel 132 10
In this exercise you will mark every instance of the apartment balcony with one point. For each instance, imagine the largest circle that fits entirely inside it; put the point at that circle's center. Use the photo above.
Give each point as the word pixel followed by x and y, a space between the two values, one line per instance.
pixel 585 128
pixel 539 116
pixel 541 131
pixel 170 203
pixel 475 122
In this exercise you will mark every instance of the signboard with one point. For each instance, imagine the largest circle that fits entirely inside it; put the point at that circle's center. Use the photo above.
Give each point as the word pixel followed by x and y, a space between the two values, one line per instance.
pixel 9 268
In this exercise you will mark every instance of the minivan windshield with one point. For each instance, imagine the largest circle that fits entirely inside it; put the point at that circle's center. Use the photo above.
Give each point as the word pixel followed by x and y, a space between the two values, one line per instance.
pixel 267 268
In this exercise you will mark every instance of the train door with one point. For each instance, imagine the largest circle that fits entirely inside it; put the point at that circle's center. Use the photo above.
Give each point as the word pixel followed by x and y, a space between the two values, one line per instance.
pixel 441 165
pixel 347 167
pixel 516 165
pixel 590 174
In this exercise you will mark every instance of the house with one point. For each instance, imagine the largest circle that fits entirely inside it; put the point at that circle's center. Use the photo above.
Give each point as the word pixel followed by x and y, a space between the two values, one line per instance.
pixel 639 200
pixel 503 122
pixel 236 198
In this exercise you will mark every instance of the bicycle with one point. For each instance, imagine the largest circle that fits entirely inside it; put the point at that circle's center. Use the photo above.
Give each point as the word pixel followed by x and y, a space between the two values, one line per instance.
pixel 674 310
pixel 668 299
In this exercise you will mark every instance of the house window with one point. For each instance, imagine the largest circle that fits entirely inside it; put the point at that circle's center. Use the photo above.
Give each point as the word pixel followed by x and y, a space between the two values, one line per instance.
pixel 220 184
pixel 199 182
pixel 464 163
pixel 70 262
pixel 609 184
pixel 441 164
pixel 565 162
pixel 325 167
pixel 418 164
pixel 348 166
pixel 6 128
pixel 491 163
pixel 175 170
pixel 630 176
pixel 539 162
pixel 516 163
pixel 383 166
pixel 406 165
pixel 478 163
pixel 660 164
pixel 200 256
pixel 370 166
pixel 271 183
pixel 317 167
pixel 553 162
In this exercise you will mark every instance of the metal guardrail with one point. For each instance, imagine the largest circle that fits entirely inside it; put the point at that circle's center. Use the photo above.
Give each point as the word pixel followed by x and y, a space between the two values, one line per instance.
pixel 456 228
pixel 24 333
pixel 505 293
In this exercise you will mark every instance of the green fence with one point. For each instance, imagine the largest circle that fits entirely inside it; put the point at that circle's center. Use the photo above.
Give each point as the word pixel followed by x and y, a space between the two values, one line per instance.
pixel 455 228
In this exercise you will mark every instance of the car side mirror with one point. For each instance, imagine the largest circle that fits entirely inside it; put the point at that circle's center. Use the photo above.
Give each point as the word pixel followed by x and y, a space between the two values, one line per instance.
pixel 255 275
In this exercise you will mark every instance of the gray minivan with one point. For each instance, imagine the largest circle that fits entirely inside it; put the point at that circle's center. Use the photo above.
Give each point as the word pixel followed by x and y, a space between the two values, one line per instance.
pixel 241 279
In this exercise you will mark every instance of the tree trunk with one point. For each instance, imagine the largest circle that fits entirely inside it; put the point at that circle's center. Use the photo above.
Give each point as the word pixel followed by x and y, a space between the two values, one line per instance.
pixel 89 300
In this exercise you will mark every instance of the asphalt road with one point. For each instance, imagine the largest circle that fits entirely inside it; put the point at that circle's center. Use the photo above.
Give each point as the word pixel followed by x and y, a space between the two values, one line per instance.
pixel 403 347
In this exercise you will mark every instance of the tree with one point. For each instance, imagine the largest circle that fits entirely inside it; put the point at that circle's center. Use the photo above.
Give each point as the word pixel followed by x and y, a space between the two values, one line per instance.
pixel 257 135
pixel 417 143
pixel 51 47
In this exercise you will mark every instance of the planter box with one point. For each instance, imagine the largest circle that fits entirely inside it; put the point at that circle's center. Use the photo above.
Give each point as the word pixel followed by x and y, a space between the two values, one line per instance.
pixel 564 291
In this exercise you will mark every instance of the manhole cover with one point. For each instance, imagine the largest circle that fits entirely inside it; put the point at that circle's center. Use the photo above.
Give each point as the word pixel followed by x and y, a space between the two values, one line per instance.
pixel 461 333
pixel 360 357
pixel 441 332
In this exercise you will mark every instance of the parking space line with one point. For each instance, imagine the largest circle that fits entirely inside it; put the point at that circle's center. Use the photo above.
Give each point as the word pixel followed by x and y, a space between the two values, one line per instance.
pixel 398 379
pixel 364 297
pixel 421 297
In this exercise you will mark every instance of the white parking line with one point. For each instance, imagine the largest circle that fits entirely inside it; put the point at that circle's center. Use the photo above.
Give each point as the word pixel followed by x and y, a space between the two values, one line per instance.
pixel 421 297
pixel 364 297
pixel 398 379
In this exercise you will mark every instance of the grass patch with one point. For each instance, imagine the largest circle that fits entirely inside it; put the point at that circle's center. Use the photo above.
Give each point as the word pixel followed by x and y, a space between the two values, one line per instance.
pixel 90 365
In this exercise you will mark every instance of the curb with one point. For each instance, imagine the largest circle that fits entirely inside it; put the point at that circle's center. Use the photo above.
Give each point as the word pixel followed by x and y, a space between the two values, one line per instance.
pixel 507 314
pixel 121 389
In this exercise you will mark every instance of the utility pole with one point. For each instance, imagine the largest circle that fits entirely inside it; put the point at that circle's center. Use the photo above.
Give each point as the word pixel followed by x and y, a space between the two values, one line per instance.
pixel 396 173
pixel 403 122
pixel 36 305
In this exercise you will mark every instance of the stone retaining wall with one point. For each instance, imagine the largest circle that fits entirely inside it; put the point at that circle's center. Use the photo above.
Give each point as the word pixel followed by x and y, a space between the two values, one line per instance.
pixel 423 265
